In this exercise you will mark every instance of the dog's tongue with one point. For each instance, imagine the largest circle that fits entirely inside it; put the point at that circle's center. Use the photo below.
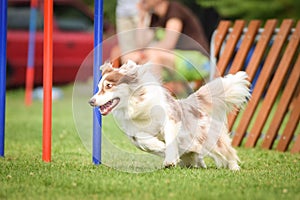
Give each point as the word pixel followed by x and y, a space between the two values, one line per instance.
pixel 106 108
pixel 104 111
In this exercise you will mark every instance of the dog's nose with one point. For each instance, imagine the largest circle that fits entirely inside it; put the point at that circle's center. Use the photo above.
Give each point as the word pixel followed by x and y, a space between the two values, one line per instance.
pixel 92 101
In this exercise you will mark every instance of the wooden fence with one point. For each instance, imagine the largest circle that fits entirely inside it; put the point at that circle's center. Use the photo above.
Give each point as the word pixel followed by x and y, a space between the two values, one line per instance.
pixel 270 56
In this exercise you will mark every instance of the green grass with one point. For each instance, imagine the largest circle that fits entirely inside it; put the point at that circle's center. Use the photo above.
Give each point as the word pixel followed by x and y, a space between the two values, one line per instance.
pixel 71 174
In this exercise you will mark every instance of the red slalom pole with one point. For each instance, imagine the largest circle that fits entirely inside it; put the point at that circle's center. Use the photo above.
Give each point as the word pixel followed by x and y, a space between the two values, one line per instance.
pixel 47 80
pixel 31 52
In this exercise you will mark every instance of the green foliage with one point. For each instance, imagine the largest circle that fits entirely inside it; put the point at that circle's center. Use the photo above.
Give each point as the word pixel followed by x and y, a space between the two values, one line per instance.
pixel 109 9
pixel 71 174
pixel 255 9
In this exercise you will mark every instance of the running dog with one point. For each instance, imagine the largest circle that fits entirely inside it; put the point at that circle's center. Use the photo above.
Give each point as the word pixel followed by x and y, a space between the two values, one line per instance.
pixel 182 131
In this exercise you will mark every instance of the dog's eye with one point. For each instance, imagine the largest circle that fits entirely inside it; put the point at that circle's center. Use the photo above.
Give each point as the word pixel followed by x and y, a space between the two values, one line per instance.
pixel 108 85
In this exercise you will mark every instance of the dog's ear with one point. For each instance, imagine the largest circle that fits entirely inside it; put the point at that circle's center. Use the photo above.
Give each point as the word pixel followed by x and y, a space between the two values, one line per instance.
pixel 131 63
pixel 129 67
pixel 105 66
pixel 129 70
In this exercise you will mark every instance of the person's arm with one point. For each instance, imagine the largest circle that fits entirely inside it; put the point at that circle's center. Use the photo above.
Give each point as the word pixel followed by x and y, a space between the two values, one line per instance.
pixel 144 33
pixel 173 30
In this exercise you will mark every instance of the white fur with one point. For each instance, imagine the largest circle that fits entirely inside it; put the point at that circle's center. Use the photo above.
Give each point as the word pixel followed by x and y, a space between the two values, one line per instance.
pixel 182 131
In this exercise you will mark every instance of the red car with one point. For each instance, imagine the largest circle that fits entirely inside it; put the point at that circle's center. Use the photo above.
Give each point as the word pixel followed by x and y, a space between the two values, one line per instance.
pixel 72 40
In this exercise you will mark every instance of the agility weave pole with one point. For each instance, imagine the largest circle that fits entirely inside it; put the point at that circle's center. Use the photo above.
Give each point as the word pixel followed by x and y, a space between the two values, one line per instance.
pixel 3 40
pixel 31 52
pixel 47 79
pixel 97 121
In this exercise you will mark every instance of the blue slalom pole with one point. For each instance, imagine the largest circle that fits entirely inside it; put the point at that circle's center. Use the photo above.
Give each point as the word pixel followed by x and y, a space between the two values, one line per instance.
pixel 3 28
pixel 97 121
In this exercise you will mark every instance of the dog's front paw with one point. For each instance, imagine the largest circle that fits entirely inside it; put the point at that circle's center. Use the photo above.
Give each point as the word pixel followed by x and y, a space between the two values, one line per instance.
pixel 169 164
pixel 232 165
pixel 202 164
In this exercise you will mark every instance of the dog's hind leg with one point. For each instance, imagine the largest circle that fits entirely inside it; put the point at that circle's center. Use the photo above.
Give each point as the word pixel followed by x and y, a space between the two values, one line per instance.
pixel 224 154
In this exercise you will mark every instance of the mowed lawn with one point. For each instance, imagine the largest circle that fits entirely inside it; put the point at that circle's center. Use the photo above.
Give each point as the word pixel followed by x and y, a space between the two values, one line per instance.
pixel 71 174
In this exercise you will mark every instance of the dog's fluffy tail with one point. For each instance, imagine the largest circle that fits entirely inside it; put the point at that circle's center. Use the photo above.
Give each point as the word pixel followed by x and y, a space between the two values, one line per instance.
pixel 228 93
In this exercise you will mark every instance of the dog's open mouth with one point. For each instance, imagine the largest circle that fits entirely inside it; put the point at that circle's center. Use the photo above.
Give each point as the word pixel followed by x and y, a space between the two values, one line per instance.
pixel 109 106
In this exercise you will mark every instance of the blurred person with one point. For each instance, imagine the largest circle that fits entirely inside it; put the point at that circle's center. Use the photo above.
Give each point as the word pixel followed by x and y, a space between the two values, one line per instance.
pixel 177 42
pixel 126 22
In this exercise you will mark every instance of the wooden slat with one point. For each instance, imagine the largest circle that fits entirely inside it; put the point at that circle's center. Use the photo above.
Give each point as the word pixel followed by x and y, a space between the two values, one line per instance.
pixel 296 147
pixel 262 81
pixel 230 46
pixel 260 48
pixel 221 33
pixel 256 59
pixel 274 87
pixel 242 53
pixel 247 42
pixel 290 128
pixel 282 106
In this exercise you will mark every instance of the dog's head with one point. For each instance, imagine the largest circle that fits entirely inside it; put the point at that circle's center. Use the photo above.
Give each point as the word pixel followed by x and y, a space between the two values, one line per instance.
pixel 114 87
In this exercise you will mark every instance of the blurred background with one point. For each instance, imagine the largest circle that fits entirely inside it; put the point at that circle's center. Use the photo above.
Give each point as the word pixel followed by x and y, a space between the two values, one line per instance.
pixel 210 11
pixel 229 9
pixel 73 30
